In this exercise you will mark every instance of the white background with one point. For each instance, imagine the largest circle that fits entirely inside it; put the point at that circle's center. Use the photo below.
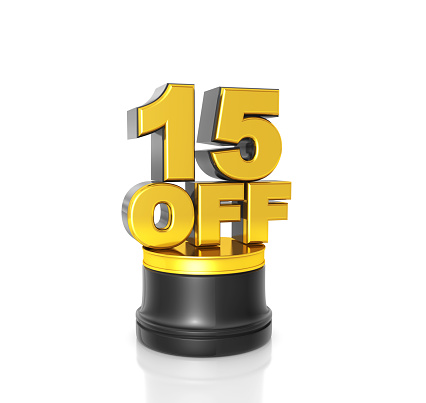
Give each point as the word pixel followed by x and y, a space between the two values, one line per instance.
pixel 345 274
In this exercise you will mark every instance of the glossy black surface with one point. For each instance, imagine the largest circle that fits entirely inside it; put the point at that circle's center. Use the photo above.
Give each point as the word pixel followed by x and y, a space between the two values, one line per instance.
pixel 204 315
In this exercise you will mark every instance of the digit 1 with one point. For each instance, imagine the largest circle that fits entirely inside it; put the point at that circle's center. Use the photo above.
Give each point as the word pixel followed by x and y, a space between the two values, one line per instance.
pixel 169 116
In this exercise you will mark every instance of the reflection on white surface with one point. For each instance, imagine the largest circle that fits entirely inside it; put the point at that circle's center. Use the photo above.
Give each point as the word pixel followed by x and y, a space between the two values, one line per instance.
pixel 175 379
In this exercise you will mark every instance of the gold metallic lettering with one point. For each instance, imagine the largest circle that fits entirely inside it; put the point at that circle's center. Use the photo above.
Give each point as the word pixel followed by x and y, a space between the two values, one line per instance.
pixel 138 214
pixel 239 120
pixel 260 206
pixel 169 115
pixel 208 198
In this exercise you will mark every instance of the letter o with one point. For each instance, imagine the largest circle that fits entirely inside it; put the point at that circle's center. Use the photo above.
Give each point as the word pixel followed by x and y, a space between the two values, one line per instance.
pixel 138 214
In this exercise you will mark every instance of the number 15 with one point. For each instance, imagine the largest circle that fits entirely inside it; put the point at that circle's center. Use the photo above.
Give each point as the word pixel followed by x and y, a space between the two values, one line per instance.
pixel 232 117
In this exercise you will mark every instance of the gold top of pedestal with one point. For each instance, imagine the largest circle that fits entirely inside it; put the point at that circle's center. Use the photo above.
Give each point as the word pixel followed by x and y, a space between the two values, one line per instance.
pixel 229 257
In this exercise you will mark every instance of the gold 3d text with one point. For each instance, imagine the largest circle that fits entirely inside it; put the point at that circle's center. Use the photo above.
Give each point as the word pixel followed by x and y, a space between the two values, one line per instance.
pixel 235 120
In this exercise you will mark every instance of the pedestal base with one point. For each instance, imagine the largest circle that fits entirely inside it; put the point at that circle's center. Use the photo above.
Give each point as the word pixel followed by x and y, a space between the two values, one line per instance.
pixel 204 347
pixel 204 302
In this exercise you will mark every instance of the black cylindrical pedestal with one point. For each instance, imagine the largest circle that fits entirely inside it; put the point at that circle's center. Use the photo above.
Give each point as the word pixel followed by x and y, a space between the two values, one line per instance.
pixel 204 315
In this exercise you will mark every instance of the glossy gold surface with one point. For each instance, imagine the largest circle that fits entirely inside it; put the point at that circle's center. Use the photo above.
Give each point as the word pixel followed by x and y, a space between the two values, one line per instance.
pixel 260 207
pixel 173 111
pixel 210 212
pixel 227 258
pixel 233 126
pixel 140 215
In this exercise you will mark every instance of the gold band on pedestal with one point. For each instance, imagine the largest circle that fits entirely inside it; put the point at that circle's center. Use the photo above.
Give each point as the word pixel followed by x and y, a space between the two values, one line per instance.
pixel 229 257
